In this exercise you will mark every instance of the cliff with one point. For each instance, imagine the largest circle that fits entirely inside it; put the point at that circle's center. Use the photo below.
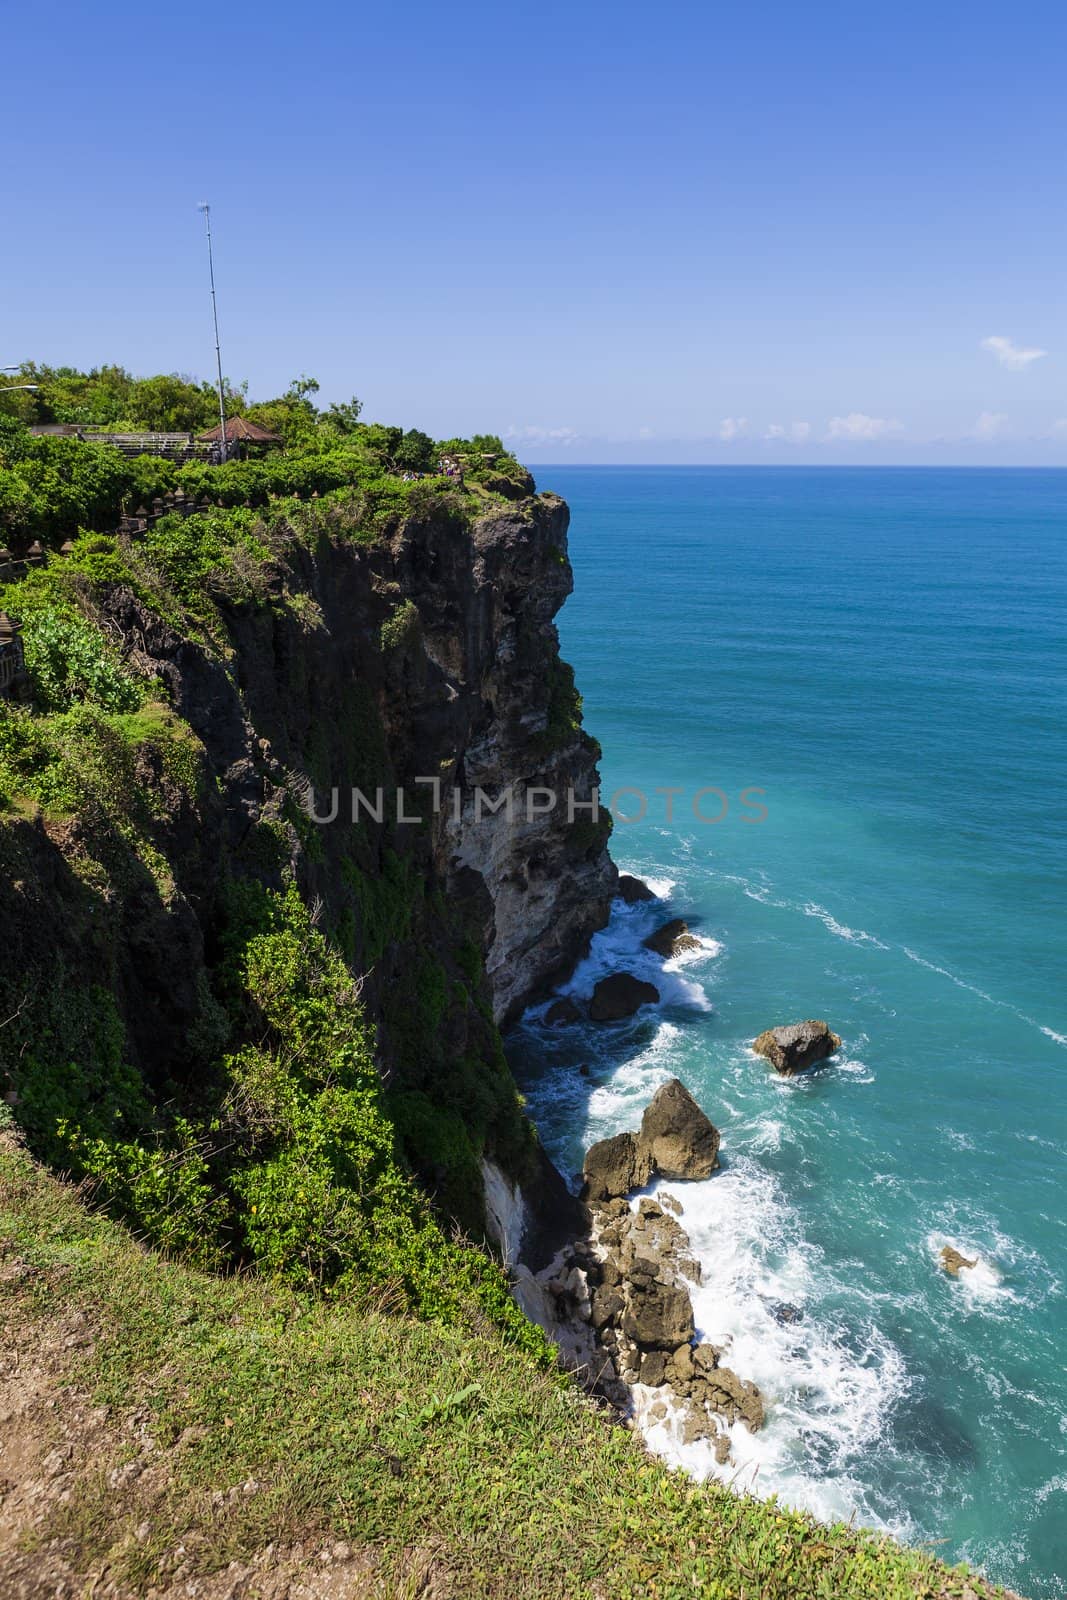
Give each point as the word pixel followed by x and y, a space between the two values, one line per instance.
pixel 343 659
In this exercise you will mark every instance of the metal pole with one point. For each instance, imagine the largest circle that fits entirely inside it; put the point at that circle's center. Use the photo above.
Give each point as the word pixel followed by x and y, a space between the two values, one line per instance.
pixel 206 209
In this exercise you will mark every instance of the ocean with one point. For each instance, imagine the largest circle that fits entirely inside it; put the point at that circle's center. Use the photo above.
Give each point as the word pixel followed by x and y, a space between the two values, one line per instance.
pixel 884 655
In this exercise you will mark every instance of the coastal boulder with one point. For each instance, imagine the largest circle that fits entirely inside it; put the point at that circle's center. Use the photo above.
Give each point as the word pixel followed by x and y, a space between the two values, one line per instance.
pixel 633 889
pixel 736 1399
pixel 953 1261
pixel 676 1138
pixel 673 939
pixel 562 1012
pixel 613 1167
pixel 620 996
pixel 798 1045
pixel 658 1316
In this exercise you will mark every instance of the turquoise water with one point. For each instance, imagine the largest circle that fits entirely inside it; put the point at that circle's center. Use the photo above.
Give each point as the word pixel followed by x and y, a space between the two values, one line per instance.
pixel 885 655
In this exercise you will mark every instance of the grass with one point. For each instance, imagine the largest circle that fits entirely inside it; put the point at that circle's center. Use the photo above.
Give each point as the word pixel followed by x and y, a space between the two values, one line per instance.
pixel 269 1420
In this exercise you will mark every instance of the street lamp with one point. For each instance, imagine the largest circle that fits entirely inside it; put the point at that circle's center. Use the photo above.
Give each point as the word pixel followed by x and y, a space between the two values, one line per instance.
pixel 9 388
pixel 206 209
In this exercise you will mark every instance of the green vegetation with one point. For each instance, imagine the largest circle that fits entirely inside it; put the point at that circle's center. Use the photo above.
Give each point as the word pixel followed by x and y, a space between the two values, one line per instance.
pixel 446 1460
pixel 110 397
pixel 564 710
pixel 50 488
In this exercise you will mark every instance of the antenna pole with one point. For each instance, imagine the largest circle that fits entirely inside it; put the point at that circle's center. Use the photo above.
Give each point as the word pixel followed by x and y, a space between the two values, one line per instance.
pixel 206 209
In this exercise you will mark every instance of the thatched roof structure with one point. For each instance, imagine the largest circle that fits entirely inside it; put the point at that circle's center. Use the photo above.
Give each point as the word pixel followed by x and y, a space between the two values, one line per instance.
pixel 240 428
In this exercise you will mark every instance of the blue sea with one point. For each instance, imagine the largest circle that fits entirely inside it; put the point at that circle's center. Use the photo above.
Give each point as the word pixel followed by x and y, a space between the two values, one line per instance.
pixel 884 655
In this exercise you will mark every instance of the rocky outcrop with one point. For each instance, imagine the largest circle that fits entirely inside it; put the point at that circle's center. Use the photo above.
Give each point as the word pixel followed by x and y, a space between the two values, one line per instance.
pixel 620 1308
pixel 614 1167
pixel 619 996
pixel 954 1261
pixel 562 1013
pixel 656 1316
pixel 798 1045
pixel 632 889
pixel 673 939
pixel 620 1299
pixel 677 1138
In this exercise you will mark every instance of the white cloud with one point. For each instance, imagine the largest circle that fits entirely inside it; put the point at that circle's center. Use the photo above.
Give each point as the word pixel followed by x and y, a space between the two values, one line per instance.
pixel 1011 355
pixel 732 428
pixel 859 426
pixel 794 433
pixel 535 436
pixel 990 425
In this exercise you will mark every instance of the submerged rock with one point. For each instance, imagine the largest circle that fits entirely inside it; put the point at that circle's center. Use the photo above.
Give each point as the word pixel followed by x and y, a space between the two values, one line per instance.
pixel 672 939
pixel 613 1167
pixel 620 996
pixel 952 1261
pixel 678 1139
pixel 562 1012
pixel 797 1045
pixel 632 889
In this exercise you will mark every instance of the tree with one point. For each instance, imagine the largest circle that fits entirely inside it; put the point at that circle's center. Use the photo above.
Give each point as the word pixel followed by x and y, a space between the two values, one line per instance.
pixel 416 452
pixel 342 416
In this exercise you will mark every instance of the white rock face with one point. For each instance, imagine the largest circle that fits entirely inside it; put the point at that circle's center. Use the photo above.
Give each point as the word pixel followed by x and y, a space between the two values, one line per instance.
pixel 505 1213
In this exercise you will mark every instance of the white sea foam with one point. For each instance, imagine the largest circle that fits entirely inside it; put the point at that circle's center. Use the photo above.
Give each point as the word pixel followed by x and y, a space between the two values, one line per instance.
pixel 828 1390
pixel 984 1282
pixel 839 929
pixel 620 948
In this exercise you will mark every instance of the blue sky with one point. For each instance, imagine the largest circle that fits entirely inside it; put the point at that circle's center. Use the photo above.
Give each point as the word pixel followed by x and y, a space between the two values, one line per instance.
pixel 614 233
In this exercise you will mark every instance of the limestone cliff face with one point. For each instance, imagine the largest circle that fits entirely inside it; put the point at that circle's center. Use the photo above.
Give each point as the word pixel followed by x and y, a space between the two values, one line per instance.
pixel 485 704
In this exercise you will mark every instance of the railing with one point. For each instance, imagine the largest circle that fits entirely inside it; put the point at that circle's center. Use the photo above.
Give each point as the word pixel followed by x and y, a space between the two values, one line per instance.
pixel 11 667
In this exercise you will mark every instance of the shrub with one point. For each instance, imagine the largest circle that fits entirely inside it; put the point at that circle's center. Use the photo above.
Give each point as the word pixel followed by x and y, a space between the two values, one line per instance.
pixel 69 662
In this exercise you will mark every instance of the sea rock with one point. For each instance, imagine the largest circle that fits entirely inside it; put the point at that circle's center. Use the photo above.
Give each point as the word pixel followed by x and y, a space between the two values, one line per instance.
pixel 653 1368
pixel 658 1316
pixel 681 1366
pixel 633 889
pixel 607 1305
pixel 953 1261
pixel 736 1399
pixel 698 1425
pixel 797 1045
pixel 561 1013
pixel 614 1166
pixel 784 1312
pixel 672 939
pixel 677 1139
pixel 722 1448
pixel 620 996
pixel 706 1357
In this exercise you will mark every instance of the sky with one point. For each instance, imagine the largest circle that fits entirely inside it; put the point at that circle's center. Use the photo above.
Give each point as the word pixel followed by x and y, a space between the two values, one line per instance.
pixel 815 233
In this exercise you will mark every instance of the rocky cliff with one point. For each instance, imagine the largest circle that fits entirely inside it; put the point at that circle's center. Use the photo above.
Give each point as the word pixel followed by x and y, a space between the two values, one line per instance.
pixel 345 658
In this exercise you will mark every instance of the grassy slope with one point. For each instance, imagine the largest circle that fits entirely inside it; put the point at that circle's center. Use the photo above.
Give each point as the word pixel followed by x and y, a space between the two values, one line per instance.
pixel 245 1425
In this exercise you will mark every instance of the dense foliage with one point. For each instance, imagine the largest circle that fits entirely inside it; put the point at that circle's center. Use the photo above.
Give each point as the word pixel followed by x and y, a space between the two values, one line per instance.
pixel 296 1172
pixel 53 487
pixel 110 397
